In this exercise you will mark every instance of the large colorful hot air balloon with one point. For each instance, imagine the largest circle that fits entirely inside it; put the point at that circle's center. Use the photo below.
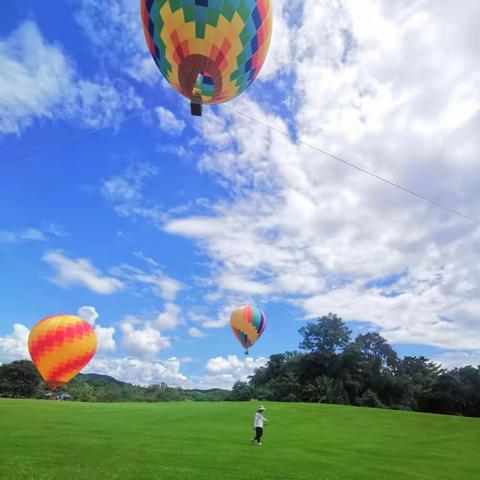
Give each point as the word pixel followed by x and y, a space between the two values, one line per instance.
pixel 60 346
pixel 208 50
pixel 248 323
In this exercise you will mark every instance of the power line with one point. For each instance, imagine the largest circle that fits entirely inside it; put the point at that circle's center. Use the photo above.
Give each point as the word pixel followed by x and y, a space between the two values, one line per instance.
pixel 285 134
pixel 363 170
pixel 75 138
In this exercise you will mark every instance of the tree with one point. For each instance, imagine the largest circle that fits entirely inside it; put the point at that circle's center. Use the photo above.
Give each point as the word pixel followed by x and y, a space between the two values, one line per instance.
pixel 327 334
pixel 369 399
pixel 325 390
pixel 81 391
pixel 378 350
pixel 285 388
pixel 241 391
pixel 19 379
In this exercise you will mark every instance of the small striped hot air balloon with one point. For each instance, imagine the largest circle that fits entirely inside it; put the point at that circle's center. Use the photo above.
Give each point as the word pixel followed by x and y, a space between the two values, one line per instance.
pixel 248 323
pixel 208 50
pixel 60 346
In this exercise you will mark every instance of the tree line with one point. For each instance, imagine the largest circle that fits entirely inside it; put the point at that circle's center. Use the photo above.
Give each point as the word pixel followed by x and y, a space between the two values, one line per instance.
pixel 365 371
pixel 331 367
pixel 20 379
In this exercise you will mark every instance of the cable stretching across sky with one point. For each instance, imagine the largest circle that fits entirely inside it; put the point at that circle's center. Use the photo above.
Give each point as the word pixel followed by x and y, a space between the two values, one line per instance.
pixel 281 132
pixel 363 170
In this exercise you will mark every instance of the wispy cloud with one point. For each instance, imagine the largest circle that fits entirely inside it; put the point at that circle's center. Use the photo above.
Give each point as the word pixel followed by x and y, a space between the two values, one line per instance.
pixel 168 122
pixel 196 332
pixel 80 272
pixel 40 82
pixel 28 234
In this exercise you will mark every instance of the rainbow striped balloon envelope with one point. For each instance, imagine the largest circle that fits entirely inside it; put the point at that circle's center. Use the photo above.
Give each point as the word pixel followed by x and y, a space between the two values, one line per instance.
pixel 248 323
pixel 60 346
pixel 209 50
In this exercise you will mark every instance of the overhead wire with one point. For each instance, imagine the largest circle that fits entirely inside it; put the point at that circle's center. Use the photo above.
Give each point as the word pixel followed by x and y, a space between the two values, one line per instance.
pixel 359 168
pixel 80 136
pixel 347 163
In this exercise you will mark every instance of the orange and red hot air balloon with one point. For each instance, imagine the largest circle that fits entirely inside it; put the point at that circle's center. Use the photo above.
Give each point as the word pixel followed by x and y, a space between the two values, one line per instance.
pixel 60 346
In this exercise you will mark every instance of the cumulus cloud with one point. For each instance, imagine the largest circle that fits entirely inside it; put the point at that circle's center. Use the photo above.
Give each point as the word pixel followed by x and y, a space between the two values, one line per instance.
pixel 144 341
pixel 140 372
pixel 170 318
pixel 168 122
pixel 223 372
pixel 39 82
pixel 105 340
pixel 15 345
pixel 89 314
pixel 300 226
pixel 80 272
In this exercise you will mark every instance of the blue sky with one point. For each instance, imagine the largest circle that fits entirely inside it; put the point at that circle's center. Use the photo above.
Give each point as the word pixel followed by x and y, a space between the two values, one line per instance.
pixel 114 199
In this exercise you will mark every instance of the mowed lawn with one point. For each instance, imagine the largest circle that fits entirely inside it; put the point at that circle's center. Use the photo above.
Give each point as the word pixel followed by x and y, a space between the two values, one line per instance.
pixel 42 440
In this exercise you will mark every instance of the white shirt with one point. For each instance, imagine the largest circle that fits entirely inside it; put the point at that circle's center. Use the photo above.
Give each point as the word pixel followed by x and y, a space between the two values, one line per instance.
pixel 259 419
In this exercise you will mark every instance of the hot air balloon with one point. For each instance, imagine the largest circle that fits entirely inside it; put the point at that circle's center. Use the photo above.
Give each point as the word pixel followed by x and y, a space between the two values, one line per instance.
pixel 60 346
pixel 208 50
pixel 248 323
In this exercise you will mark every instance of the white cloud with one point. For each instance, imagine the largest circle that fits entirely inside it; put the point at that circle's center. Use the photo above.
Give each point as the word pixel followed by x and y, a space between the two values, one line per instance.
pixel 163 286
pixel 124 193
pixel 39 82
pixel 220 317
pixel 89 314
pixel 196 332
pixel 236 283
pixel 223 372
pixel 170 318
pixel 80 272
pixel 146 341
pixel 105 340
pixel 28 234
pixel 169 123
pixel 300 226
pixel 140 372
pixel 157 282
pixel 120 28
pixel 15 346
pixel 458 359
pixel 281 50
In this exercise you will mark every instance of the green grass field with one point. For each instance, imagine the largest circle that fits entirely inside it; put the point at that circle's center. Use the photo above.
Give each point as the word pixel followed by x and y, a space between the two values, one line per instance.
pixel 42 440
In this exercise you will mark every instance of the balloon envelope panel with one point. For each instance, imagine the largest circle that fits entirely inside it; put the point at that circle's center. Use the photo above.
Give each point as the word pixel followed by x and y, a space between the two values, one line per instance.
pixel 209 48
pixel 60 346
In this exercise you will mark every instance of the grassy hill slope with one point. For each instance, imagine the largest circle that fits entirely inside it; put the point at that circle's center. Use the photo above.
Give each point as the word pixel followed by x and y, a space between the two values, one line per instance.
pixel 42 440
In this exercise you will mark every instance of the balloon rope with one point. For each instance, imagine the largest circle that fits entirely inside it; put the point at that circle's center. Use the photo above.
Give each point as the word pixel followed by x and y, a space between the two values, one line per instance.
pixel 363 170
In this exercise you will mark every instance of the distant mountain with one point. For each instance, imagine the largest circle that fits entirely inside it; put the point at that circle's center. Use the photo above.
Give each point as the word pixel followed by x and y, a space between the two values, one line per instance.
pixel 97 377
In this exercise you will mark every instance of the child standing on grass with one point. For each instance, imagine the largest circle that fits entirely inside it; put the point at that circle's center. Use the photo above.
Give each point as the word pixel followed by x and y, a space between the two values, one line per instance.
pixel 258 425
